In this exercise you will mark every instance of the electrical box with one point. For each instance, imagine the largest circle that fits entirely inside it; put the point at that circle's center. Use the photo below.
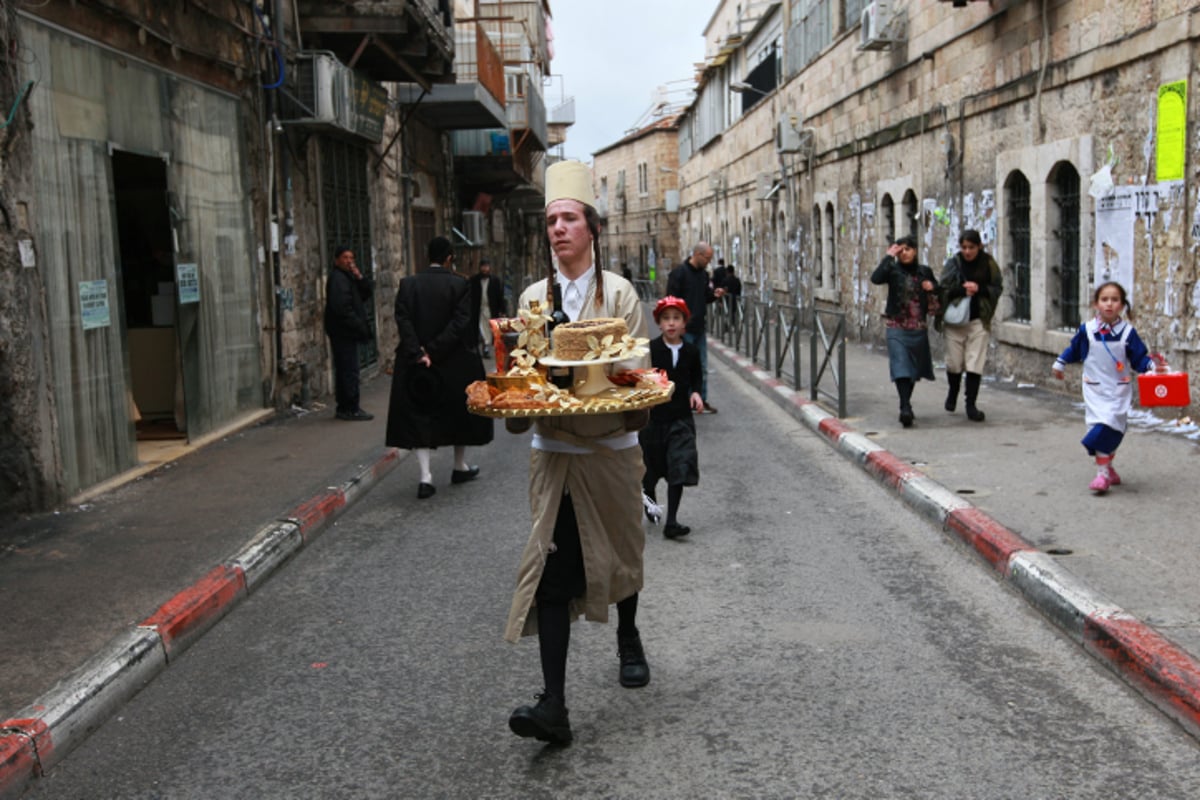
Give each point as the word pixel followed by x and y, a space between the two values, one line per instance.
pixel 790 137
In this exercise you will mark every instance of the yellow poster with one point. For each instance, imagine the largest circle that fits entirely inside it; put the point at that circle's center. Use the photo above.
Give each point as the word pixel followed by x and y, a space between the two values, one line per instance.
pixel 1172 131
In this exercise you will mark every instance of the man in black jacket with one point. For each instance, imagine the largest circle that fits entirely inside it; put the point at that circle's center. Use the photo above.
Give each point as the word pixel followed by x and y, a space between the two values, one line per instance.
pixel 487 301
pixel 690 281
pixel 346 293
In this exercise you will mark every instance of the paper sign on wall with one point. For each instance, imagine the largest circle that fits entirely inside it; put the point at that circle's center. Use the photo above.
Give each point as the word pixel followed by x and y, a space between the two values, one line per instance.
pixel 1172 131
pixel 187 278
pixel 93 304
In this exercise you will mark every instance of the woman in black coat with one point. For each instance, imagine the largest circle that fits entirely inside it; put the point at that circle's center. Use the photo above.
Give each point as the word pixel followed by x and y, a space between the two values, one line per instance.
pixel 912 295
pixel 435 362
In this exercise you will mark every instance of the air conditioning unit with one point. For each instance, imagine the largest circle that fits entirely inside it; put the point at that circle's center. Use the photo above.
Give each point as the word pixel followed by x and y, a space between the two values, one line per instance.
pixel 475 227
pixel 790 137
pixel 324 93
pixel 875 30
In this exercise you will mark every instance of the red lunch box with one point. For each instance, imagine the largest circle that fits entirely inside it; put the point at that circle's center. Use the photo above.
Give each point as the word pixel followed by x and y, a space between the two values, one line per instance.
pixel 1164 389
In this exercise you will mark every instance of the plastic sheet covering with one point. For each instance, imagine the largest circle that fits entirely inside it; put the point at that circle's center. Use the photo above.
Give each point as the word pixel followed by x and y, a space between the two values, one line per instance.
pixel 86 100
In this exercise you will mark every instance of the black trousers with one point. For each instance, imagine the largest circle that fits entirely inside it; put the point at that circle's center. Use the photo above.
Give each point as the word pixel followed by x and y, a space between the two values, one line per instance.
pixel 563 577
pixel 345 373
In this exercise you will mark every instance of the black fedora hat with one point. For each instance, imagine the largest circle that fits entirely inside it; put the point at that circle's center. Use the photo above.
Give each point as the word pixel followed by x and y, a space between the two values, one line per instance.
pixel 424 387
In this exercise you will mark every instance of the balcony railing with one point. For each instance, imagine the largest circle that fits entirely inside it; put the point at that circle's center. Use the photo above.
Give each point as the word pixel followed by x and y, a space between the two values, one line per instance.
pixel 519 27
pixel 477 59
pixel 527 115
pixel 386 40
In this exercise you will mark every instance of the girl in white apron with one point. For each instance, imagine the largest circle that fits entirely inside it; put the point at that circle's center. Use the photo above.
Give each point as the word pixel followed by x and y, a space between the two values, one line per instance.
pixel 1111 351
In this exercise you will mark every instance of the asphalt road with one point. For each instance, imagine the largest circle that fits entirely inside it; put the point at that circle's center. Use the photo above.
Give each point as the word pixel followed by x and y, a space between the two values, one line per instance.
pixel 811 638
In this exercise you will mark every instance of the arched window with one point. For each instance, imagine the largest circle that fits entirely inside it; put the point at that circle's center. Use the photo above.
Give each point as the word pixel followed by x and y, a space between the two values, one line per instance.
pixel 1063 253
pixel 1016 220
pixel 829 262
pixel 909 225
pixel 818 272
pixel 887 219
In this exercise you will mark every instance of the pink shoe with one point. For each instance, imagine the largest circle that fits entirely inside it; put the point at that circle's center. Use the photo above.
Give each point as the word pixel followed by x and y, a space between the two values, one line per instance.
pixel 1100 483
pixel 1113 478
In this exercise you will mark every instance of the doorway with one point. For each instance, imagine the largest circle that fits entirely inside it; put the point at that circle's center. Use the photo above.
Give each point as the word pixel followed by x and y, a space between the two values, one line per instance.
pixel 148 298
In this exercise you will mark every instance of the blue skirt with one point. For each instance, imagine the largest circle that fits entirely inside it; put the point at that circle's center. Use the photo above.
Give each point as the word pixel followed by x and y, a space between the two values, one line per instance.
pixel 909 355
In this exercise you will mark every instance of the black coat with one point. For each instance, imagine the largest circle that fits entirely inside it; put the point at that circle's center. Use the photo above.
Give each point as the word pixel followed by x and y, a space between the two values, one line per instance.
pixel 428 406
pixel 693 286
pixel 686 375
pixel 495 292
pixel 346 307
pixel 898 279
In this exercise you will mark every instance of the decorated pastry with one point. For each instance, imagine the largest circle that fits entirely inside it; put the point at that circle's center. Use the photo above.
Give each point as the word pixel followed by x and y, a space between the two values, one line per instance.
pixel 571 339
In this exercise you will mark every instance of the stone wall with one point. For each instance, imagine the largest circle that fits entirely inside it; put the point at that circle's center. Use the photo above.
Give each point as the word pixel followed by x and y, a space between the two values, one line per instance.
pixel 949 115
pixel 28 468
pixel 643 220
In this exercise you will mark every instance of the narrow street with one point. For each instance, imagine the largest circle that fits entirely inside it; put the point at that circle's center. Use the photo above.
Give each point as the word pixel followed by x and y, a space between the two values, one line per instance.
pixel 811 638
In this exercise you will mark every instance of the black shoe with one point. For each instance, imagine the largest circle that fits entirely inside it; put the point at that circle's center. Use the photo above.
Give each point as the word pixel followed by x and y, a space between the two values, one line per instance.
pixel 951 403
pixel 673 530
pixel 709 409
pixel 358 415
pixel 974 414
pixel 464 475
pixel 906 417
pixel 548 721
pixel 635 671
pixel 425 491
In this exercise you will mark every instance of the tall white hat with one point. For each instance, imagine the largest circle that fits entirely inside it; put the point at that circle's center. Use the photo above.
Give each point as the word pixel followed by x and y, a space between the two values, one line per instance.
pixel 569 180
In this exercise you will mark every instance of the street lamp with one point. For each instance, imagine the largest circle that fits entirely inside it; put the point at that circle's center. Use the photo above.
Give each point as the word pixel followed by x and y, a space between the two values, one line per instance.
pixel 741 87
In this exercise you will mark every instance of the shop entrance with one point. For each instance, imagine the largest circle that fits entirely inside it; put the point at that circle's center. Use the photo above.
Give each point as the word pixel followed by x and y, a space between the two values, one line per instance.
pixel 148 298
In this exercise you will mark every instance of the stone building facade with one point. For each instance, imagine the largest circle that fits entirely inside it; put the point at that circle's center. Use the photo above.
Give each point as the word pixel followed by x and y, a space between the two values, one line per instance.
pixel 821 130
pixel 637 183
pixel 175 179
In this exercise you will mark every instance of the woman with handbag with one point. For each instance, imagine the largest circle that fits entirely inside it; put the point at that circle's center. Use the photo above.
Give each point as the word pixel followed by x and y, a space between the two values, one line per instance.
pixel 911 297
pixel 971 284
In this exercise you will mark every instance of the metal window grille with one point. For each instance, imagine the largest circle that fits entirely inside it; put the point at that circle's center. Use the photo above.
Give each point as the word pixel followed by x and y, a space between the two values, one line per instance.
pixel 1018 239
pixel 1067 185
pixel 346 201
pixel 888 218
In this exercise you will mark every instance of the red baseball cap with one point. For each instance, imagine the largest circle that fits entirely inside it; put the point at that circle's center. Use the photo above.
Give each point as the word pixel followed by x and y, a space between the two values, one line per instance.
pixel 671 301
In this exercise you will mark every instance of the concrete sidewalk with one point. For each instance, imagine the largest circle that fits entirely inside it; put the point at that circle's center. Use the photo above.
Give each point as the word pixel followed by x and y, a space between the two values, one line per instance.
pixel 100 598
pixel 1115 572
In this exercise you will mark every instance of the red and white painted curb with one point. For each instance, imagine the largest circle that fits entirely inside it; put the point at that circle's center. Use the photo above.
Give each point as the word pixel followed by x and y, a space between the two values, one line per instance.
pixel 42 733
pixel 1161 670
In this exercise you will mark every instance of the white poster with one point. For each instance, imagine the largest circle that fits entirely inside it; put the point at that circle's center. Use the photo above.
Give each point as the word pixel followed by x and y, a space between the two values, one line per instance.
pixel 1115 215
pixel 93 304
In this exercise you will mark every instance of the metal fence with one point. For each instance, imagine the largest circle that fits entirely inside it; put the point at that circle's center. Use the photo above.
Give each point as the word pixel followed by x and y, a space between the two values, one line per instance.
pixel 774 336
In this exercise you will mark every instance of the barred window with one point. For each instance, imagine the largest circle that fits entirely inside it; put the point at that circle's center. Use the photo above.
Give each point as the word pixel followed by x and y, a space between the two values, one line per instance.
pixel 1016 190
pixel 1065 227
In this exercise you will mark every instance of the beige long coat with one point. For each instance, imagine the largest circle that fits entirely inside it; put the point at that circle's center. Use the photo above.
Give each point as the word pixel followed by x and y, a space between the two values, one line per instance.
pixel 605 487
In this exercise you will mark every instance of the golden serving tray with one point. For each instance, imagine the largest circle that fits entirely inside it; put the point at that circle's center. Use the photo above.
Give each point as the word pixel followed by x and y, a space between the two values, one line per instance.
pixel 610 401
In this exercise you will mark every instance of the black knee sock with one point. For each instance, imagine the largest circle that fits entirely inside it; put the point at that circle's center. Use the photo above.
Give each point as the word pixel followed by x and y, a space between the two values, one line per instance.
pixel 674 495
pixel 627 615
pixel 904 388
pixel 554 635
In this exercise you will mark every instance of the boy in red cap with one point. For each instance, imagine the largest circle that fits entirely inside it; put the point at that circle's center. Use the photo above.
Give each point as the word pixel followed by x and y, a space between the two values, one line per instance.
pixel 669 441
